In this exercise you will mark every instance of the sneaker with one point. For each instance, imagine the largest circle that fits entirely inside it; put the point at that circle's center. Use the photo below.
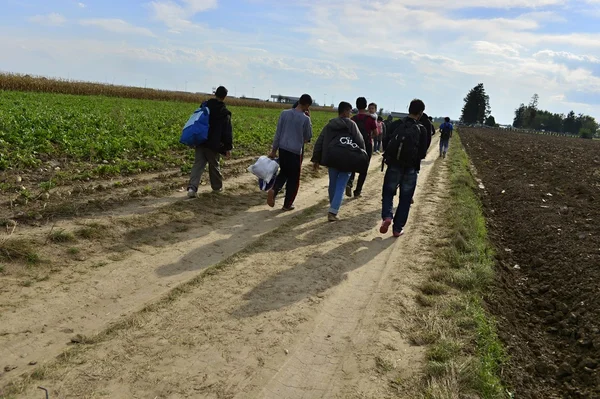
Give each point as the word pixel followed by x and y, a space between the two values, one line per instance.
pixel 348 191
pixel 357 194
pixel 332 217
pixel 271 198
pixel 288 208
pixel 191 193
pixel 385 225
pixel 218 191
pixel 399 233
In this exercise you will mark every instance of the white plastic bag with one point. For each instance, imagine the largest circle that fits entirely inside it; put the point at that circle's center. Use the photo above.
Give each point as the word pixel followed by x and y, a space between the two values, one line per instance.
pixel 264 168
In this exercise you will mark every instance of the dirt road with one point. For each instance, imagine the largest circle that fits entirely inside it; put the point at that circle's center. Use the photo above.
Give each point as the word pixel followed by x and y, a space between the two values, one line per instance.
pixel 296 308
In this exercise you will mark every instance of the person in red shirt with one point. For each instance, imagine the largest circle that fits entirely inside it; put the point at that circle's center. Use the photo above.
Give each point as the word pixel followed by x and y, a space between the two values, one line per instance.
pixel 368 128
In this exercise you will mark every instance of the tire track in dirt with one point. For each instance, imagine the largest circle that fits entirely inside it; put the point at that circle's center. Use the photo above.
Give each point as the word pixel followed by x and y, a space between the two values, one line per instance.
pixel 39 327
pixel 239 331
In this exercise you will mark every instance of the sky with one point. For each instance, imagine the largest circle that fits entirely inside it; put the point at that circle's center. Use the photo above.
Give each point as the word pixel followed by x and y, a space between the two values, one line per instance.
pixel 389 51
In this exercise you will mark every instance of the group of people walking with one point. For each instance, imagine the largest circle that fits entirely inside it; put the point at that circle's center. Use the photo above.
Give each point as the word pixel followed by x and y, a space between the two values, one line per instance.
pixel 345 146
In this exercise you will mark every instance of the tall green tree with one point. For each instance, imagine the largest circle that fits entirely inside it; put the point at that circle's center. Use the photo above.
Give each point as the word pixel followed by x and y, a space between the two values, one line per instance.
pixel 518 122
pixel 477 106
pixel 570 123
pixel 490 121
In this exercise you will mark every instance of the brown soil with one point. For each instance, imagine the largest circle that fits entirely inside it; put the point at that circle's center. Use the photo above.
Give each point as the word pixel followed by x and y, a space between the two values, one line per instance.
pixel 296 308
pixel 542 201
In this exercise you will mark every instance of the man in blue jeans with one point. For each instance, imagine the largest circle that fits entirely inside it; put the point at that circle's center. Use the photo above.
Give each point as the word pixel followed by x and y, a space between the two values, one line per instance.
pixel 446 129
pixel 339 130
pixel 404 151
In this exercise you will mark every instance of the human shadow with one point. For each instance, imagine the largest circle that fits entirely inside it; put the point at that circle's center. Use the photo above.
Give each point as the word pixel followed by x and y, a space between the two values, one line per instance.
pixel 319 272
pixel 257 224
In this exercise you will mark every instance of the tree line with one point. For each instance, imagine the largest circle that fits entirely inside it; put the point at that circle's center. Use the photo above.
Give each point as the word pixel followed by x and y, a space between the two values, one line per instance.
pixel 530 117
pixel 477 110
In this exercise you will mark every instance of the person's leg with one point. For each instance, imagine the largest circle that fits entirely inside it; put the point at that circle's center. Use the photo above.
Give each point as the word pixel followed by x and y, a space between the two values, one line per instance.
pixel 441 147
pixel 338 194
pixel 200 162
pixel 350 184
pixel 408 184
pixel 363 175
pixel 214 169
pixel 282 177
pixel 390 186
pixel 293 181
pixel 332 182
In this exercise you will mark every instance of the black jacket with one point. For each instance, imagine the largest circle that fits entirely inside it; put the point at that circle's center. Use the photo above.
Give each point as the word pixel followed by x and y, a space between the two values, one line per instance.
pixel 429 126
pixel 424 138
pixel 336 128
pixel 220 131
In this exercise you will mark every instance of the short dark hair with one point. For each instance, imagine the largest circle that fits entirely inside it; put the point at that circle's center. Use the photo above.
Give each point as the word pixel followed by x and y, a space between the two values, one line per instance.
pixel 221 92
pixel 305 99
pixel 361 103
pixel 380 118
pixel 416 107
pixel 344 107
pixel 373 104
pixel 447 119
pixel 431 118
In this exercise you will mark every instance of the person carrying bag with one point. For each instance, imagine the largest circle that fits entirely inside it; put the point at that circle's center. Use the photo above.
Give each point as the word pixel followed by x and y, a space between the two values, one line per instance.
pixel 341 148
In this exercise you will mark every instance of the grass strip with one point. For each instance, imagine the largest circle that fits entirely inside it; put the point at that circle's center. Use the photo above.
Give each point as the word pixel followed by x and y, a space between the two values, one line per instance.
pixel 464 356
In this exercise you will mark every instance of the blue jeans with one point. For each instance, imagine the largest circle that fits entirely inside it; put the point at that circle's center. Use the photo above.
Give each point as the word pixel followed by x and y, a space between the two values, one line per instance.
pixel 377 144
pixel 444 144
pixel 406 179
pixel 337 186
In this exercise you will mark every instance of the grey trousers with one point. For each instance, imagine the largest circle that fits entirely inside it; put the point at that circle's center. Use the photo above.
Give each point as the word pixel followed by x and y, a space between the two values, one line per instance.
pixel 206 156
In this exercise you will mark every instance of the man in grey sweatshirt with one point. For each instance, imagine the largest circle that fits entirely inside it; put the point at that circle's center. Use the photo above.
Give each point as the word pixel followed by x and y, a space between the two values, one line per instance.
pixel 294 129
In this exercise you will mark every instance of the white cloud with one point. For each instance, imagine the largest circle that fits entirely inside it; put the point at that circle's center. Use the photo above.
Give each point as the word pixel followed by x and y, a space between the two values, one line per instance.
pixel 117 26
pixel 497 49
pixel 177 15
pixel 52 19
pixel 549 54
pixel 81 5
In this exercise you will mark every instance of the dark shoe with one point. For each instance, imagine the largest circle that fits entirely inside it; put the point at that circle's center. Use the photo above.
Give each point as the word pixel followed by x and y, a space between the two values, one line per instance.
pixel 332 217
pixel 348 191
pixel 191 193
pixel 271 198
pixel 288 208
pixel 357 194
pixel 399 233
pixel 385 225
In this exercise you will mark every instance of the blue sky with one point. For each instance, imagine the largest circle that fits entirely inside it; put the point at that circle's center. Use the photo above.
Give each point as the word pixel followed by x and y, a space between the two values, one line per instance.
pixel 389 51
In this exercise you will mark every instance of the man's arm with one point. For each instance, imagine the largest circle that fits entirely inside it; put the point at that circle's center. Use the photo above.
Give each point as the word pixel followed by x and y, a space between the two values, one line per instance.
pixel 308 132
pixel 317 154
pixel 277 137
pixel 424 141
pixel 227 136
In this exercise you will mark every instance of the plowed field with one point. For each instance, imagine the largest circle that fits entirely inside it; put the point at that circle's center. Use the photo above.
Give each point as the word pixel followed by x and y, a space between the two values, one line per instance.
pixel 542 200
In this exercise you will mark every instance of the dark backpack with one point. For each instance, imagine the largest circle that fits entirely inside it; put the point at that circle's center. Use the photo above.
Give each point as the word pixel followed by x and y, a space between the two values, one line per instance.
pixel 446 129
pixel 344 154
pixel 403 146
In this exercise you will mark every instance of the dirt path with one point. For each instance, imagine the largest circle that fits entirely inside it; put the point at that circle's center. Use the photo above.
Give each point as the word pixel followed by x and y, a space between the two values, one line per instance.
pixel 310 310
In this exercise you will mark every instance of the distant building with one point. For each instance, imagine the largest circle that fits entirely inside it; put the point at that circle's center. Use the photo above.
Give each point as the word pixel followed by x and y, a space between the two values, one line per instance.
pixel 398 114
pixel 284 99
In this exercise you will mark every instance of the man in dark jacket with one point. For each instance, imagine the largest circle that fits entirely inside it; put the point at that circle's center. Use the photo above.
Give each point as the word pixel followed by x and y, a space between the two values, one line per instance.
pixel 345 131
pixel 425 121
pixel 220 142
pixel 402 174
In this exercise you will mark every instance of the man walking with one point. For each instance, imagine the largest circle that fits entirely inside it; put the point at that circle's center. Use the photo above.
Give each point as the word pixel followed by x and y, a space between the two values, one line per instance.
pixel 339 143
pixel 446 129
pixel 294 129
pixel 404 150
pixel 368 128
pixel 219 142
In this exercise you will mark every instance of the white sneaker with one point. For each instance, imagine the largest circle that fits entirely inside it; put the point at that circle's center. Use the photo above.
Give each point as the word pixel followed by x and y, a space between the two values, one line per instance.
pixel 191 193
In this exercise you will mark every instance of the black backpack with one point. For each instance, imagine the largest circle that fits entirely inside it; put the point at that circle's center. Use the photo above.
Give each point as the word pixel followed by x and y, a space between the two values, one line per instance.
pixel 403 146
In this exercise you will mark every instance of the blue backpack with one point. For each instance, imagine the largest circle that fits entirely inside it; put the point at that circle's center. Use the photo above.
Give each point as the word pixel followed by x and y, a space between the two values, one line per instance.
pixel 195 131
